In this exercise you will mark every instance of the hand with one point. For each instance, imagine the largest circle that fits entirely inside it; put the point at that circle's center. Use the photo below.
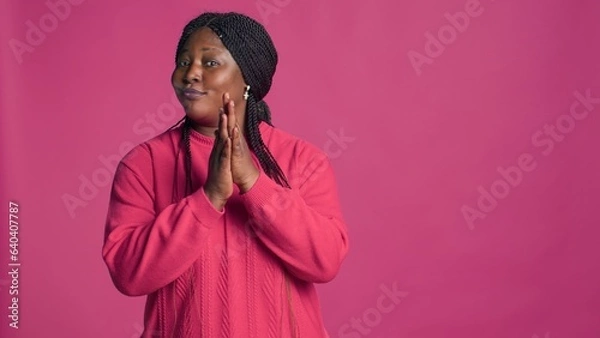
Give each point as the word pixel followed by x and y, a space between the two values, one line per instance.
pixel 219 183
pixel 244 171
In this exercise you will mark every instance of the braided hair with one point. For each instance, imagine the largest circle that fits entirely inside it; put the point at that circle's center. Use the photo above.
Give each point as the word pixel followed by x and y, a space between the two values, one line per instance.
pixel 252 48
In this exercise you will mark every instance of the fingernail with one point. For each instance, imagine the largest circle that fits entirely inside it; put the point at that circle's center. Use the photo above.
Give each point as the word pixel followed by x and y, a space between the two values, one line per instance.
pixel 227 96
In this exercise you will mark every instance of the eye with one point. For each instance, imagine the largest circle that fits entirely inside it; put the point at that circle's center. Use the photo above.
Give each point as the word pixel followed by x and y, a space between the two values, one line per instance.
pixel 183 63
pixel 212 63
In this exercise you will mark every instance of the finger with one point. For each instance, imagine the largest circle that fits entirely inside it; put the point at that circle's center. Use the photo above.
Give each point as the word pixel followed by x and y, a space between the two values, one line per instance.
pixel 230 114
pixel 242 139
pixel 224 133
pixel 220 135
pixel 225 98
pixel 239 129
pixel 226 154
pixel 218 131
pixel 219 122
pixel 220 142
pixel 237 146
pixel 214 149
pixel 225 107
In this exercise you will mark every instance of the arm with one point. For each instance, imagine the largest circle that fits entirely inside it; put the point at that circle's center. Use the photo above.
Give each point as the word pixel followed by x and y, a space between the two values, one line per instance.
pixel 143 250
pixel 303 226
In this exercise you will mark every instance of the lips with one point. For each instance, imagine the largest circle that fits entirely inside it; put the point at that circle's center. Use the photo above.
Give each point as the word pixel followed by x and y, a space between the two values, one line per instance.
pixel 191 93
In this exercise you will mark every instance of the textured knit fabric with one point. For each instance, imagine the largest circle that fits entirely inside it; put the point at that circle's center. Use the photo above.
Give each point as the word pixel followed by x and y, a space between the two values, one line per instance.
pixel 245 271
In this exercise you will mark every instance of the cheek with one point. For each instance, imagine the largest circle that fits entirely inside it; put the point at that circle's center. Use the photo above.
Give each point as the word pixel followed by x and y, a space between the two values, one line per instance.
pixel 176 77
pixel 218 80
pixel 238 86
pixel 227 79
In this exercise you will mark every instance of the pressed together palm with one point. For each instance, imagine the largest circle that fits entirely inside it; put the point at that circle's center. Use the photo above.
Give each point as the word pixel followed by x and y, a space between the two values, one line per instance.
pixel 230 159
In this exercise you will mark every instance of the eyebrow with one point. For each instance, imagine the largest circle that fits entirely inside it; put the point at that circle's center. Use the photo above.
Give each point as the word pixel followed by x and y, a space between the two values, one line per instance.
pixel 204 49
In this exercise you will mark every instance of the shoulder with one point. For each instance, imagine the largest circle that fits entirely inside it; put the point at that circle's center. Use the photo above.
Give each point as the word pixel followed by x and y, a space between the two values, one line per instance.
pixel 284 144
pixel 299 158
pixel 141 157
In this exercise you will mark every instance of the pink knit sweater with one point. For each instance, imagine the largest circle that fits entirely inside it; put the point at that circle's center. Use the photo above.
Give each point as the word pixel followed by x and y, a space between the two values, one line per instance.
pixel 246 271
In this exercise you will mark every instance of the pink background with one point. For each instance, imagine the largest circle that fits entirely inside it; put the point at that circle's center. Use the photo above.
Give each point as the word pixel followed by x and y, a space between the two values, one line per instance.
pixel 424 141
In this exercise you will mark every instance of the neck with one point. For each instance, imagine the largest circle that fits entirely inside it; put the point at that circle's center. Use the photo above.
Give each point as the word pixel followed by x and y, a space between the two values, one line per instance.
pixel 210 130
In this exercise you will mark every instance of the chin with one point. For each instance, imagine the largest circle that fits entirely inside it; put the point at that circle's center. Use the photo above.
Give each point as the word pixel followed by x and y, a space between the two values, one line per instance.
pixel 203 117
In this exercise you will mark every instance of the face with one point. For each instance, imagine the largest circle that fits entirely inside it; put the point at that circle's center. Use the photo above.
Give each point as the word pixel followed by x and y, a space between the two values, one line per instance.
pixel 205 70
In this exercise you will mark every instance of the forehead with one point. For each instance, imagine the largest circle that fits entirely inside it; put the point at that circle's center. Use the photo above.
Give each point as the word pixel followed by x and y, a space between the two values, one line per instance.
pixel 203 39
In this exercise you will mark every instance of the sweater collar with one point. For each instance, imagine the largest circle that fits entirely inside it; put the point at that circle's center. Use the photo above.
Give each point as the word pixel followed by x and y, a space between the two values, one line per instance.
pixel 265 132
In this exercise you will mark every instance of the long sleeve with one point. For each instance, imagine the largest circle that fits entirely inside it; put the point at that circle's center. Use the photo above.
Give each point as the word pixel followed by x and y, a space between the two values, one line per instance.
pixel 303 226
pixel 145 250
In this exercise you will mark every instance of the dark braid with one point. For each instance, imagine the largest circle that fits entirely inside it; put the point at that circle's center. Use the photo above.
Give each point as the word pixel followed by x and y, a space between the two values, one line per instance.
pixel 254 52
pixel 254 116
pixel 185 137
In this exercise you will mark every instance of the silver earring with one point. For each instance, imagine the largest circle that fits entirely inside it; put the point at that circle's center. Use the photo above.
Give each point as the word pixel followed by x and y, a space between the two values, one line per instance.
pixel 247 92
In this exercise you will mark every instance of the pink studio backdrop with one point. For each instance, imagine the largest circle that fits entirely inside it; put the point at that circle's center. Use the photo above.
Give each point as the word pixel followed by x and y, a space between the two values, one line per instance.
pixel 464 135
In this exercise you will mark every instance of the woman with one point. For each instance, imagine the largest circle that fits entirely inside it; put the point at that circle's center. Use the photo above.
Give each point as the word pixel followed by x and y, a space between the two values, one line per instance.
pixel 224 221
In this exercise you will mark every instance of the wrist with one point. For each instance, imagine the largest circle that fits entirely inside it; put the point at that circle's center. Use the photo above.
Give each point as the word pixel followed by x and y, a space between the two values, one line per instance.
pixel 248 183
pixel 215 200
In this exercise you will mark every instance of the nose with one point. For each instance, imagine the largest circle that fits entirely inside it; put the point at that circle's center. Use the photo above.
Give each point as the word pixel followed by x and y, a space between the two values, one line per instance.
pixel 193 74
